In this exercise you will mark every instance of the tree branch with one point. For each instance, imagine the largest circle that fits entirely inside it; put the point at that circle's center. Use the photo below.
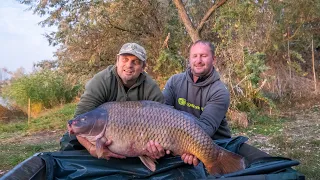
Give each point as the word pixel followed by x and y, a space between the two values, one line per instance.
pixel 208 14
pixel 192 31
pixel 123 29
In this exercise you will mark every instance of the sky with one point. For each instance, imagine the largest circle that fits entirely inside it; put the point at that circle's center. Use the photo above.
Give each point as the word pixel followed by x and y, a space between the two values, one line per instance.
pixel 22 40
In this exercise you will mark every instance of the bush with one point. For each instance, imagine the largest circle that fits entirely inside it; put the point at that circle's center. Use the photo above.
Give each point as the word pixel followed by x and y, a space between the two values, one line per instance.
pixel 168 63
pixel 46 89
pixel 12 113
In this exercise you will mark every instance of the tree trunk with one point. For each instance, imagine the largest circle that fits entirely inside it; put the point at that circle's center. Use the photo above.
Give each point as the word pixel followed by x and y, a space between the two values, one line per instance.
pixel 186 21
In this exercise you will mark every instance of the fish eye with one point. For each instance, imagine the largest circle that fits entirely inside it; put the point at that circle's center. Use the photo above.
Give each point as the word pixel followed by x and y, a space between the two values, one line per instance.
pixel 83 119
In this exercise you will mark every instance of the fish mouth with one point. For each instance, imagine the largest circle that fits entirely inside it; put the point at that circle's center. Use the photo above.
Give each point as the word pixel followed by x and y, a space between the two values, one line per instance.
pixel 70 122
pixel 70 129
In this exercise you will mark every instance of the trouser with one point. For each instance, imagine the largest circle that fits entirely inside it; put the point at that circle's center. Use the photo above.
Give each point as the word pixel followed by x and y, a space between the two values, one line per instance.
pixel 70 143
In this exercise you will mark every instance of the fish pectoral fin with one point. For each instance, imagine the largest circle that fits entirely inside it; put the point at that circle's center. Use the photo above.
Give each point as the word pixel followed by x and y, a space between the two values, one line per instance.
pixel 149 162
pixel 99 147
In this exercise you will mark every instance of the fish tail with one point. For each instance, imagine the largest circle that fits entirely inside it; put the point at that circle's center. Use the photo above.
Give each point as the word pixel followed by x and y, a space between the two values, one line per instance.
pixel 226 162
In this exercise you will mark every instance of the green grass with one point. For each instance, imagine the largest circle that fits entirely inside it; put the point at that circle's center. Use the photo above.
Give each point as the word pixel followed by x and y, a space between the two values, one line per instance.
pixel 307 152
pixel 12 154
pixel 315 142
pixel 6 135
pixel 309 162
pixel 315 109
pixel 261 124
pixel 13 127
pixel 53 120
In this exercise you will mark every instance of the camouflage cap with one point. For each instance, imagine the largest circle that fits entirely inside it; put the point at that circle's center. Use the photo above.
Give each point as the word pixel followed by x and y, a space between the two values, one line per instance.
pixel 134 49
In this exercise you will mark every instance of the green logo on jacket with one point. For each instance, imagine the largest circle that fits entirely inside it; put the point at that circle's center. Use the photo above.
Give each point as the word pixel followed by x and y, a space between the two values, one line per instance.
pixel 183 102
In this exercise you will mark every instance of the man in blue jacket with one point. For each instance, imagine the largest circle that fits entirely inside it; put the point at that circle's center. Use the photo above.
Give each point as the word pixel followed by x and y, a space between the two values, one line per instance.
pixel 200 92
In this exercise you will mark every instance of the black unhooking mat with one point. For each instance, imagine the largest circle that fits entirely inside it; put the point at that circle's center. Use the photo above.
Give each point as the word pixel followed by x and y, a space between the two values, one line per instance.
pixel 80 164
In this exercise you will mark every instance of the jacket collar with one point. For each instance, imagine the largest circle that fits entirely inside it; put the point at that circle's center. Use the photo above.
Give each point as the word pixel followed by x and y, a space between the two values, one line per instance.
pixel 205 80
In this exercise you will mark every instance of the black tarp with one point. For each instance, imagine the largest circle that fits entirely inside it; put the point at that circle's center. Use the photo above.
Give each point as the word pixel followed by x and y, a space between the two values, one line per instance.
pixel 81 165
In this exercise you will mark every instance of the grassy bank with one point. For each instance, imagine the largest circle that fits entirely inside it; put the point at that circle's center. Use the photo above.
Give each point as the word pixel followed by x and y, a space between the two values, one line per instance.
pixel 18 140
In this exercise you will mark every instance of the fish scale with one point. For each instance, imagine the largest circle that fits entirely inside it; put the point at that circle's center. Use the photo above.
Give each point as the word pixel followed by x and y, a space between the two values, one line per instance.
pixel 134 119
pixel 132 124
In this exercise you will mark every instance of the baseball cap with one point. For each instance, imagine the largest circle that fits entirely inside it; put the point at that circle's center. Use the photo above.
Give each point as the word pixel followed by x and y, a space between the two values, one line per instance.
pixel 134 49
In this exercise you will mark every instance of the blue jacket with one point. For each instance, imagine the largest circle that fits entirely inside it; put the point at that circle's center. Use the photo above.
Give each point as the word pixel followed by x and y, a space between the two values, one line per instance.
pixel 208 99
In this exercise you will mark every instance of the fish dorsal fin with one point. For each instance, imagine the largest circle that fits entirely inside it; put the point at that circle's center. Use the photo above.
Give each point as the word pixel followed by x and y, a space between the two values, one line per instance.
pixel 100 145
pixel 149 162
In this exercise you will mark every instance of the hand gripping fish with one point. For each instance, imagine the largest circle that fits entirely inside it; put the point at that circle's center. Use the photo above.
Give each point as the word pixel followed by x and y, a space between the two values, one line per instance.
pixel 132 124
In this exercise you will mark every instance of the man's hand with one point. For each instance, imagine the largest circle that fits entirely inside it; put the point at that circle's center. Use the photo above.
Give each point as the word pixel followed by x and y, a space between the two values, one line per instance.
pixel 107 154
pixel 155 150
pixel 190 159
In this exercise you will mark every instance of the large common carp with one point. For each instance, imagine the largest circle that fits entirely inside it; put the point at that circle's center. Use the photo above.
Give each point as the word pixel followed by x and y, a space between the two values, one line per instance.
pixel 132 124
